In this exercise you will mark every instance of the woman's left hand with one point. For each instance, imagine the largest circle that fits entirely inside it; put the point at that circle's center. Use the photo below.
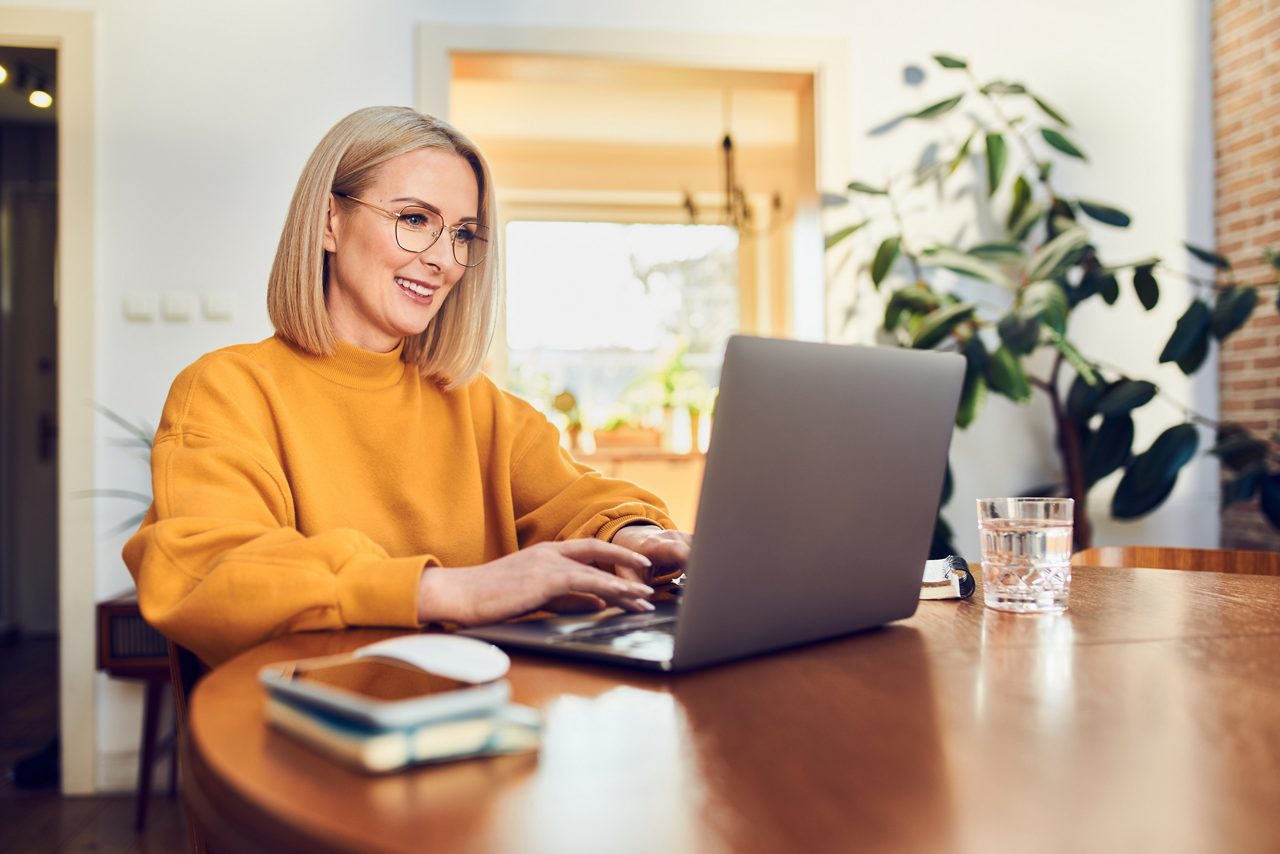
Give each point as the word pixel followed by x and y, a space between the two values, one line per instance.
pixel 667 550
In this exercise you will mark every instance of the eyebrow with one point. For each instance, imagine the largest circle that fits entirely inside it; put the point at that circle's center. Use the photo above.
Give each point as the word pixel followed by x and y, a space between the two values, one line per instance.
pixel 420 203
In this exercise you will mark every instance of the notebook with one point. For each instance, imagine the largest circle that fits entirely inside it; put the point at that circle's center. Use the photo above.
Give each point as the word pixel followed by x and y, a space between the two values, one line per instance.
pixel 821 486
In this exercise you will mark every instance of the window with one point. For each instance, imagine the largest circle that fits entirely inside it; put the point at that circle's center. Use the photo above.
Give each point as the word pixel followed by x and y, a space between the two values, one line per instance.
pixel 630 318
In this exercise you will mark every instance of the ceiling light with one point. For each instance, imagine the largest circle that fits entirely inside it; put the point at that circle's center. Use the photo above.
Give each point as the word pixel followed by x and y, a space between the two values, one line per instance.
pixel 40 98
pixel 4 74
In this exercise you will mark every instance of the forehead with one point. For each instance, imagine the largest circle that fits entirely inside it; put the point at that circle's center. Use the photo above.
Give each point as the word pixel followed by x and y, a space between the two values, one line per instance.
pixel 436 176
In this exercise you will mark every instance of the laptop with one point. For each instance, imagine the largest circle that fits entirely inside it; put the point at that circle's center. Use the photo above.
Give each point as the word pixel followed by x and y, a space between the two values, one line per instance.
pixel 821 487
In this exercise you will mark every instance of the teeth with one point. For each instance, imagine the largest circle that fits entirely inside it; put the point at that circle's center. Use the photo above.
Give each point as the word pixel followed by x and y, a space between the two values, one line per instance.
pixel 413 286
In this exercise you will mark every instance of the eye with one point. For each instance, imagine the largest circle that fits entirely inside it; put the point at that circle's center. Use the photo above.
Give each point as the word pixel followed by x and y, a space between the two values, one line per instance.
pixel 466 234
pixel 416 220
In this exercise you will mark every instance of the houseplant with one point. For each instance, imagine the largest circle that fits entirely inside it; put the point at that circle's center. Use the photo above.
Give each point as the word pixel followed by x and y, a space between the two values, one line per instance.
pixel 1040 256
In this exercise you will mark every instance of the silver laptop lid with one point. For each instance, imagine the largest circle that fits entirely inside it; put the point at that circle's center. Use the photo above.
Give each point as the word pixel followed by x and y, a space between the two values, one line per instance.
pixel 821 488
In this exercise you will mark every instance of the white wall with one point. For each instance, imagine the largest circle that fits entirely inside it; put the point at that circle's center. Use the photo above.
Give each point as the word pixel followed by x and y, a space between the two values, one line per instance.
pixel 207 110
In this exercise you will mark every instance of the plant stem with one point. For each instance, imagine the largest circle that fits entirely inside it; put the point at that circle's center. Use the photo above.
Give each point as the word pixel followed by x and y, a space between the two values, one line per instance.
pixel 912 260
pixel 1070 455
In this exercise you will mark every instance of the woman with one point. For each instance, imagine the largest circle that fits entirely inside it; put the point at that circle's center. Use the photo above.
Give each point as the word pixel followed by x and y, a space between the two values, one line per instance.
pixel 356 469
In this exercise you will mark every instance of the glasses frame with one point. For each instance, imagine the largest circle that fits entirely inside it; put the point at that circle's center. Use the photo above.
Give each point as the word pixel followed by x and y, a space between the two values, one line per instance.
pixel 452 229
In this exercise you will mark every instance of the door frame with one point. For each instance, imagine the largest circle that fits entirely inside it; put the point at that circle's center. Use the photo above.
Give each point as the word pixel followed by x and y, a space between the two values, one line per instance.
pixel 71 34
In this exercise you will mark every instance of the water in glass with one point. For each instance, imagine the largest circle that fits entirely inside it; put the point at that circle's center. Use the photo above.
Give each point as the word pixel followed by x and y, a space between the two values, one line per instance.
pixel 1026 564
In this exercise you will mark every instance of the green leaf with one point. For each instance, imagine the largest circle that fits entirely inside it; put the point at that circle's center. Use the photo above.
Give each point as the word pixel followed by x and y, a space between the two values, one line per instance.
pixel 1126 395
pixel 838 236
pixel 1232 310
pixel 1050 111
pixel 959 262
pixel 1046 301
pixel 961 154
pixel 1073 356
pixel 1060 142
pixel 1191 361
pixel 1145 262
pixel 934 110
pixel 1213 259
pixel 1238 449
pixel 1270 499
pixel 1000 251
pixel 1082 399
pixel 1243 487
pixel 938 325
pixel 1019 333
pixel 1104 213
pixel 916 299
pixel 1109 287
pixel 1272 257
pixel 1027 219
pixel 859 187
pixel 142 435
pixel 995 161
pixel 1021 195
pixel 1000 87
pixel 1005 375
pixel 1106 449
pixel 975 386
pixel 1192 329
pixel 1146 287
pixel 886 255
pixel 1150 476
pixel 1053 258
pixel 950 61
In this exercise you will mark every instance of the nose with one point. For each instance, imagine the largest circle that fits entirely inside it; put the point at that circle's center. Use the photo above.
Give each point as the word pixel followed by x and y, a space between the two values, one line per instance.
pixel 439 254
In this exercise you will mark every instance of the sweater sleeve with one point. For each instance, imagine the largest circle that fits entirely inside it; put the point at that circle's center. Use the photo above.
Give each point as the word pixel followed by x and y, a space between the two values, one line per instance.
pixel 558 498
pixel 219 562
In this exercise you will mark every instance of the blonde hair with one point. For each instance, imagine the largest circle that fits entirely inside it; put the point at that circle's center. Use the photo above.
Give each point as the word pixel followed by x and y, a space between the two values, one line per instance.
pixel 453 346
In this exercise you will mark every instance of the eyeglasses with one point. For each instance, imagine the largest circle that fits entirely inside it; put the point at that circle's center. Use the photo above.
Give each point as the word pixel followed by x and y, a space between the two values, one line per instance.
pixel 418 229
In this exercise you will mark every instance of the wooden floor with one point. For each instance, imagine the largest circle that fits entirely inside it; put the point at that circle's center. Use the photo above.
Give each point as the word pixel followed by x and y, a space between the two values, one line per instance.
pixel 44 821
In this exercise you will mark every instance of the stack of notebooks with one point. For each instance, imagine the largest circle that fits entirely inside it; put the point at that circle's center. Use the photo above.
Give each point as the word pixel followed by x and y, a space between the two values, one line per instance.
pixel 409 700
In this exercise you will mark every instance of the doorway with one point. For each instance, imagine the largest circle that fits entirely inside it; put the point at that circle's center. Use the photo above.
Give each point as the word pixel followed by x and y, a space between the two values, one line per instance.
pixel 28 346
pixel 28 397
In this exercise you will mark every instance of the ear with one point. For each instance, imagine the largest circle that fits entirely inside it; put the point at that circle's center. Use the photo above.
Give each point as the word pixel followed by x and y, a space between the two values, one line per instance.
pixel 330 238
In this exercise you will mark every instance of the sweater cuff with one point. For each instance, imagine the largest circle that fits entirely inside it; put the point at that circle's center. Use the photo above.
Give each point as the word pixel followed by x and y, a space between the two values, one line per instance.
pixel 613 526
pixel 381 591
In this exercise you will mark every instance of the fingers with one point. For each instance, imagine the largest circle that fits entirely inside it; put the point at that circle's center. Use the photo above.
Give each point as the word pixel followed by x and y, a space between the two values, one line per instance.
pixel 598 552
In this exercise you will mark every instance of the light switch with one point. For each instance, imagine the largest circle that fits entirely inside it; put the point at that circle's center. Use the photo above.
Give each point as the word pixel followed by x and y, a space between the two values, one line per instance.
pixel 218 305
pixel 140 306
pixel 178 307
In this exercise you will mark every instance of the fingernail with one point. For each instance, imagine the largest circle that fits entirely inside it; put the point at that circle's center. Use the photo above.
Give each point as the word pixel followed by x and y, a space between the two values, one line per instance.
pixel 647 605
pixel 645 589
pixel 644 560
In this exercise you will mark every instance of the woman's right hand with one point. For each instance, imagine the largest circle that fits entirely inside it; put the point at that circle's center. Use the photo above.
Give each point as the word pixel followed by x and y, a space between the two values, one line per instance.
pixel 529 579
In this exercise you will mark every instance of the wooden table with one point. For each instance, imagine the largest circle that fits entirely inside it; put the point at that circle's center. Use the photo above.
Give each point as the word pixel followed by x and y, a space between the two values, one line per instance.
pixel 1147 718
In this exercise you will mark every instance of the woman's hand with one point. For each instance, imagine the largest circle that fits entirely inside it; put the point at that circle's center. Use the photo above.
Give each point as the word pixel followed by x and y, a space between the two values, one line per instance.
pixel 532 577
pixel 667 551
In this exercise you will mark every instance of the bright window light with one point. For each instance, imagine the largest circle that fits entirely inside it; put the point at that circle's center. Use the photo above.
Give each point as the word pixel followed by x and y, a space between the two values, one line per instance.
pixel 602 309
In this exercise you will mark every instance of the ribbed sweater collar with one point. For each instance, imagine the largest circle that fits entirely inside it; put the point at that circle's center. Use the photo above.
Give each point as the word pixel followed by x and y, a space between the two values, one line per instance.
pixel 354 367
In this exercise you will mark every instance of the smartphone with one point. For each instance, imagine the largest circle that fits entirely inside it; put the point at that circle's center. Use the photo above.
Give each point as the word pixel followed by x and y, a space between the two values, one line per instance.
pixel 381 692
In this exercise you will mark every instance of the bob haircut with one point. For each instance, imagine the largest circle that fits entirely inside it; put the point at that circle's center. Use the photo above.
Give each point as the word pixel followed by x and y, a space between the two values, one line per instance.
pixel 452 348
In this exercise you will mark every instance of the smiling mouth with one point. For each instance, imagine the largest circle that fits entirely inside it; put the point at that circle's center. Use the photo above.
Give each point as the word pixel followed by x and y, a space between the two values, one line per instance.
pixel 415 289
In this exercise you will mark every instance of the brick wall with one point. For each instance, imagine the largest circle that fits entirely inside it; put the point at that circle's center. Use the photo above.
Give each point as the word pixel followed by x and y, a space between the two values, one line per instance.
pixel 1246 96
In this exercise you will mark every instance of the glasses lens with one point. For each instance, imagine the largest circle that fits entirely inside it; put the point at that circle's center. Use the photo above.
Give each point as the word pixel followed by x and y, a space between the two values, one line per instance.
pixel 417 229
pixel 470 242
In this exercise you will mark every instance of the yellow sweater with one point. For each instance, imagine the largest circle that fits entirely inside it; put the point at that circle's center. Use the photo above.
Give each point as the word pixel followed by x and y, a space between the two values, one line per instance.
pixel 295 492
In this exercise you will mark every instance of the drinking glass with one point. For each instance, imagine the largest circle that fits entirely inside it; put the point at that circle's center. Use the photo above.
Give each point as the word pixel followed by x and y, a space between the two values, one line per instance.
pixel 1026 553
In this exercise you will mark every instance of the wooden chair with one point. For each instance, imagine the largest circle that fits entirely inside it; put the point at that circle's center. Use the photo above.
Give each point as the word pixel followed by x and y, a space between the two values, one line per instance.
pixel 1157 557
pixel 185 669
